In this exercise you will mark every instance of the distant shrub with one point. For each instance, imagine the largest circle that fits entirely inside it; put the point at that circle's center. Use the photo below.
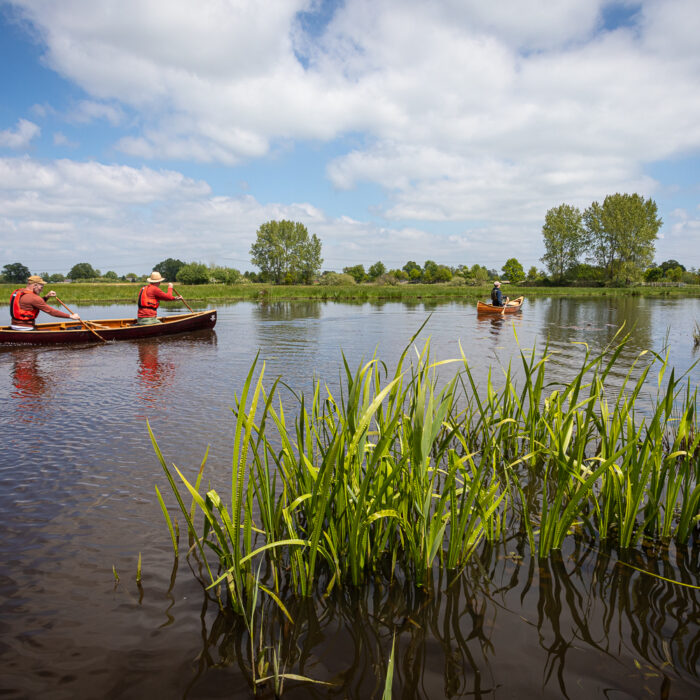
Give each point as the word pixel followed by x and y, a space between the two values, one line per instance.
pixel 457 281
pixel 387 278
pixel 336 279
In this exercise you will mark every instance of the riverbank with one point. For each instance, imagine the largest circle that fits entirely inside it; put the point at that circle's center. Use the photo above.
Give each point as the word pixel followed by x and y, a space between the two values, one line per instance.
pixel 126 292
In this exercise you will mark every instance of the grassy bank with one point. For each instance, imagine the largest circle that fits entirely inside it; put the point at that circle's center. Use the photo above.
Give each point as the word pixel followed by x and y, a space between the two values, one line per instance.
pixel 210 293
pixel 392 477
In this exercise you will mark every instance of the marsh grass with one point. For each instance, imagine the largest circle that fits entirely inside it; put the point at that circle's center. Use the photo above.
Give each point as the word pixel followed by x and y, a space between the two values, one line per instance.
pixel 395 475
pixel 204 294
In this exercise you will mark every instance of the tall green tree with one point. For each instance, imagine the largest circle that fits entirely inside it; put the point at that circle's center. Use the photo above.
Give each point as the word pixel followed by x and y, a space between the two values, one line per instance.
pixel 513 270
pixel 15 272
pixel 564 239
pixel 621 234
pixel 376 270
pixel 82 271
pixel 284 250
pixel 169 268
pixel 357 272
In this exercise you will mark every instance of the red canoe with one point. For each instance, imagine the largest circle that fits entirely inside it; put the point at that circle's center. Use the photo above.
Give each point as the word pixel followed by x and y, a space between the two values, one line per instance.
pixel 109 329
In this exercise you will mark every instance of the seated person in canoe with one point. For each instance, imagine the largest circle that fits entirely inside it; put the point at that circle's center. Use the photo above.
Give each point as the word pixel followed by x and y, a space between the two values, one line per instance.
pixel 150 297
pixel 25 305
pixel 497 295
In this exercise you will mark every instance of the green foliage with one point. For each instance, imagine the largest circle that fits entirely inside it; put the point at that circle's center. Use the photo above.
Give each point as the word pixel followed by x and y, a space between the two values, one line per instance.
pixel 399 474
pixel 15 273
pixel 621 234
pixel 284 252
pixel 225 275
pixel 82 271
pixel 56 277
pixel 336 279
pixel 169 268
pixel 376 270
pixel 357 272
pixel 513 271
pixel 564 239
pixel 111 275
pixel 193 273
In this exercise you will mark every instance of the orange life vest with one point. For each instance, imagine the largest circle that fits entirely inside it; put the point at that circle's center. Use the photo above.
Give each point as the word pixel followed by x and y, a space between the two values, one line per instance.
pixel 146 301
pixel 18 314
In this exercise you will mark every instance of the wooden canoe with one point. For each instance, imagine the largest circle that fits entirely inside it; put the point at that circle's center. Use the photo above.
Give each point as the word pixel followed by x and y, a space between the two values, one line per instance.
pixel 108 329
pixel 513 306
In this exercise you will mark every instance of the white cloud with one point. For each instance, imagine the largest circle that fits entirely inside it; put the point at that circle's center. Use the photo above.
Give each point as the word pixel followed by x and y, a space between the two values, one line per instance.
pixel 481 113
pixel 20 136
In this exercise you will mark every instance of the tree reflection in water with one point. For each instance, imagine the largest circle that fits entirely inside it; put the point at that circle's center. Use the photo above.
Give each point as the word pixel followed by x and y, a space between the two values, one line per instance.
pixel 576 625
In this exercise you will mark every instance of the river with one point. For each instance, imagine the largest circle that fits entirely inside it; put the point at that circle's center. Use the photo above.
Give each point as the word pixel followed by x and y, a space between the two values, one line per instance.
pixel 77 476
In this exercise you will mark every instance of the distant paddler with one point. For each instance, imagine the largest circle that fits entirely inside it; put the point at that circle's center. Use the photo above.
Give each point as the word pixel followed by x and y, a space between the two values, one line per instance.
pixel 25 305
pixel 150 297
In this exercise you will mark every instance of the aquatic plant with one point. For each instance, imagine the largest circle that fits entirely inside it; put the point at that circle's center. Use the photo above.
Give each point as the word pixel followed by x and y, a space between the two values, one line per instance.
pixel 393 475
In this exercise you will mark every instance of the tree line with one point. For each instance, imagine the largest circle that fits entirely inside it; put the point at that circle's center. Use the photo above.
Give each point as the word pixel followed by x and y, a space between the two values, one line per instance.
pixel 610 243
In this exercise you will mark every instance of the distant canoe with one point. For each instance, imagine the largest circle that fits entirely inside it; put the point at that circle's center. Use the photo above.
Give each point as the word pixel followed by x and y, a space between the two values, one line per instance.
pixel 72 332
pixel 513 306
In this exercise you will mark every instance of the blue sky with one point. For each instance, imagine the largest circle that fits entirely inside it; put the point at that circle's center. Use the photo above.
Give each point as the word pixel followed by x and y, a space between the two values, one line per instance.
pixel 396 130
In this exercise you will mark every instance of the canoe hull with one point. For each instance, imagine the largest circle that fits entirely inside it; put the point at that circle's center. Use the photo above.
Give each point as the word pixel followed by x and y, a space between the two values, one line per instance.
pixel 73 332
pixel 514 305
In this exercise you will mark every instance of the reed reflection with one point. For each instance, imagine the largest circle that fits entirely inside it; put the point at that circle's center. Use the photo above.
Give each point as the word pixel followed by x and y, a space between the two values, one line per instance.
pixel 460 639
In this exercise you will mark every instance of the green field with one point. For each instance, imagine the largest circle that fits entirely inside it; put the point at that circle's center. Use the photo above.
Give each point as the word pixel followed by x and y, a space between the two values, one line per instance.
pixel 126 292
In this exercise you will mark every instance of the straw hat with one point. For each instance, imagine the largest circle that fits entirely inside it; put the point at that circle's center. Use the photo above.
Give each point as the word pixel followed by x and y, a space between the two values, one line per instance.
pixel 155 278
pixel 35 279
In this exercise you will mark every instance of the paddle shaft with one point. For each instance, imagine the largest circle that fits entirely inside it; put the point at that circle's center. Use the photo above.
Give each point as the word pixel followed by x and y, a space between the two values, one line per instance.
pixel 85 323
pixel 183 301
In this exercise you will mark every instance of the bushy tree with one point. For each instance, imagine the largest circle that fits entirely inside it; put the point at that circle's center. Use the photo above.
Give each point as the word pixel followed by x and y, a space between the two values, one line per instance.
pixel 376 270
pixel 283 250
pixel 56 277
pixel 82 271
pixel 225 275
pixel 111 275
pixel 621 234
pixel 336 279
pixel 357 272
pixel 193 273
pixel 15 273
pixel 564 239
pixel 169 268
pixel 513 270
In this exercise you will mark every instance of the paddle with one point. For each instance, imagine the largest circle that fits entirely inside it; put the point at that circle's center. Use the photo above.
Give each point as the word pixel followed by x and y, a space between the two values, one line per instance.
pixel 183 301
pixel 85 323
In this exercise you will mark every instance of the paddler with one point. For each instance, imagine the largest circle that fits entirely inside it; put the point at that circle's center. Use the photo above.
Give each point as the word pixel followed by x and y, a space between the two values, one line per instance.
pixel 25 305
pixel 497 295
pixel 150 297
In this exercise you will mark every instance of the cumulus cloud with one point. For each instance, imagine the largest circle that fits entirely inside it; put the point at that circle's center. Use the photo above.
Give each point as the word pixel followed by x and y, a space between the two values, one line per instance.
pixel 20 136
pixel 482 113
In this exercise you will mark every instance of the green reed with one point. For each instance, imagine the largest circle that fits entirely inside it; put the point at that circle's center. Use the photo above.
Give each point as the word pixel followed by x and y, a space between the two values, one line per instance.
pixel 395 474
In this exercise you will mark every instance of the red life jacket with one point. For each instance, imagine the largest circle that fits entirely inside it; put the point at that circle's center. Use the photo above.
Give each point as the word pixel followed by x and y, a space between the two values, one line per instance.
pixel 19 315
pixel 146 301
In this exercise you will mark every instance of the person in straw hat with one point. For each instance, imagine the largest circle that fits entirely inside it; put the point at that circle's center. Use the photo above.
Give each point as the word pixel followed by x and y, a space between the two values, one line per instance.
pixel 150 298
pixel 25 305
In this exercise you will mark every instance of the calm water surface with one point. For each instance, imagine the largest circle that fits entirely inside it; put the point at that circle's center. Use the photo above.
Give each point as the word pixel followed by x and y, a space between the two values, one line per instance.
pixel 77 475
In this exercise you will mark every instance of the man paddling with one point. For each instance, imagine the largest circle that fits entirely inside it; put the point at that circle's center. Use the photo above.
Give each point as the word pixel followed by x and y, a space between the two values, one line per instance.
pixel 497 295
pixel 150 297
pixel 25 305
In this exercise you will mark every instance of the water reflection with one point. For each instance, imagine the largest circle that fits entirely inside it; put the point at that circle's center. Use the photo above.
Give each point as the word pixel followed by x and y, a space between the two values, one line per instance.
pixel 30 384
pixel 507 623
pixel 154 374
